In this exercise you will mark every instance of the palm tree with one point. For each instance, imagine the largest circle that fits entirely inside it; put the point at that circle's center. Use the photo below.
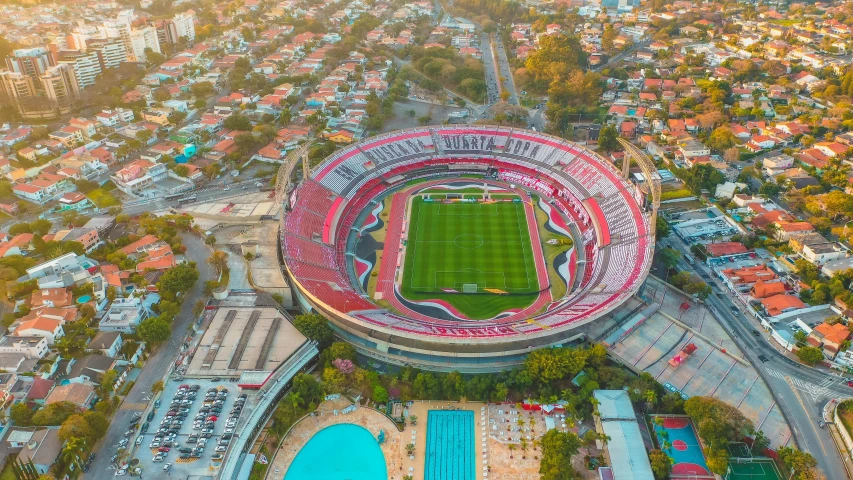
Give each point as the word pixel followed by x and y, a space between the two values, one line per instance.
pixel 532 423
pixel 73 450
pixel 410 448
pixel 520 422
pixel 651 398
pixel 408 477
pixel 413 419
pixel 524 447
pixel 511 448
pixel 219 261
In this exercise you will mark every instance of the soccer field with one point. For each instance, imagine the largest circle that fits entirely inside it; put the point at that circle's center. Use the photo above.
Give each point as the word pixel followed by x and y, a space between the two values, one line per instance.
pixel 467 248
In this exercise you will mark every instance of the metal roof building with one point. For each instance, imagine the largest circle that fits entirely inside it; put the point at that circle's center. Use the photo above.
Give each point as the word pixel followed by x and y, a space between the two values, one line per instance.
pixel 625 450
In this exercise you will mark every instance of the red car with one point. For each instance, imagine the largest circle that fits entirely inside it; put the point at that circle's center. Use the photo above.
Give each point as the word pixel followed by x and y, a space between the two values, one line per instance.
pixel 850 383
pixel 211 418
pixel 163 449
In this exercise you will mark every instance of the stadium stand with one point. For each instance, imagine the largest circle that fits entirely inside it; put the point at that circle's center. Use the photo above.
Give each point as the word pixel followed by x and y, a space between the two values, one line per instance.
pixel 583 185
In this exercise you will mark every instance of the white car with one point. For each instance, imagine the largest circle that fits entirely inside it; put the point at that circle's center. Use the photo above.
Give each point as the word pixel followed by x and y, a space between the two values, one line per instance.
pixel 166 467
pixel 121 473
pixel 139 440
pixel 221 448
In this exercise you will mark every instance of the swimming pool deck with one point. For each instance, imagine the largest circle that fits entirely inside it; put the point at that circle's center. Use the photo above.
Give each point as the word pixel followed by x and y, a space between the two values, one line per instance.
pixel 365 417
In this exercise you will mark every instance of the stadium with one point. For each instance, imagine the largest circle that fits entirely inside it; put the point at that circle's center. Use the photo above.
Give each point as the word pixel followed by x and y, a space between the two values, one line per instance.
pixel 463 248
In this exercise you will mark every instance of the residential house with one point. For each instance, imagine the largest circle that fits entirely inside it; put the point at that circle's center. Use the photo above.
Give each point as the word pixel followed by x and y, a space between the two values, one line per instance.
pixel 81 395
pixel 829 338
pixel 779 304
pixel 107 343
pixel 123 315
pixel 42 449
pixel 51 297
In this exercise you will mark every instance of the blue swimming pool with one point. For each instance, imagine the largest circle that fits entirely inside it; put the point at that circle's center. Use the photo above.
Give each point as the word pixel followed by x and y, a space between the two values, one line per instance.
pixel 339 452
pixel 450 449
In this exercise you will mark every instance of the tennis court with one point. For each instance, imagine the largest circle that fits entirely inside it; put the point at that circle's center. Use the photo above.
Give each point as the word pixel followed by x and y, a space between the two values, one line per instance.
pixel 450 453
pixel 752 469
pixel 676 437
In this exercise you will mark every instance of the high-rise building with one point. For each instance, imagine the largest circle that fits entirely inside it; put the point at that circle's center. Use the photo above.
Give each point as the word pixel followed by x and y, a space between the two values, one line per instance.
pixel 86 65
pixel 111 51
pixel 61 87
pixel 15 86
pixel 143 38
pixel 49 95
pixel 119 29
pixel 166 32
pixel 29 61
pixel 184 26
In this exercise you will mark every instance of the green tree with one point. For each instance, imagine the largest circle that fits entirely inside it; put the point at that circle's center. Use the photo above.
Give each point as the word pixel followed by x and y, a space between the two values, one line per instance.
pixel 661 464
pixel 21 414
pixel 557 451
pixel 315 327
pixel 670 257
pixel 238 122
pixel 802 464
pixel 721 139
pixel 342 350
pixel 380 395
pixel 607 139
pixel 179 279
pixel 810 355
pixel 40 226
pixel 154 330
pixel 307 390
pixel 74 426
pixel 662 228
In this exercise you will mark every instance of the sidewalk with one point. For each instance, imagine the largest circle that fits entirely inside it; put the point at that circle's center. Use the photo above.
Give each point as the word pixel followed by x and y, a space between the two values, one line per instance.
pixel 846 457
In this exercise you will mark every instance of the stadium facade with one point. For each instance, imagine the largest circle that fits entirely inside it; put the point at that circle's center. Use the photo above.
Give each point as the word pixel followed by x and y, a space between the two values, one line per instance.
pixel 605 214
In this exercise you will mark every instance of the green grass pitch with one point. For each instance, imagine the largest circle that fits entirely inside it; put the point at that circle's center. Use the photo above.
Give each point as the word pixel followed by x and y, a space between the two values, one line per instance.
pixel 454 245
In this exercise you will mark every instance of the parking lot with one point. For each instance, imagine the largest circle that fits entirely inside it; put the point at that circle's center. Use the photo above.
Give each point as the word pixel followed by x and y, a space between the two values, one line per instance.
pixel 199 420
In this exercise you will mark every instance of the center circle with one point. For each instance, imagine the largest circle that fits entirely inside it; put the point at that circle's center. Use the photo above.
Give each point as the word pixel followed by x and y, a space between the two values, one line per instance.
pixel 468 240
pixel 679 445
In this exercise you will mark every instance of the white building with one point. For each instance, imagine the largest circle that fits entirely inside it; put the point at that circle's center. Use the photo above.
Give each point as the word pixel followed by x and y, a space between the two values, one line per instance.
pixel 143 38
pixel 123 316
pixel 86 66
pixel 625 450
pixel 184 26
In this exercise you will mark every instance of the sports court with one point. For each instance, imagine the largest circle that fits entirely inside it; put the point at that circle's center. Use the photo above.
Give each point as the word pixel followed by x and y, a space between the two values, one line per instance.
pixel 752 469
pixel 469 247
pixel 743 467
pixel 685 451
pixel 450 453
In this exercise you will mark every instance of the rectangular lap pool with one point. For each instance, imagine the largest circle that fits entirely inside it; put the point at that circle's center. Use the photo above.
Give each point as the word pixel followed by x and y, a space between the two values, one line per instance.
pixel 450 453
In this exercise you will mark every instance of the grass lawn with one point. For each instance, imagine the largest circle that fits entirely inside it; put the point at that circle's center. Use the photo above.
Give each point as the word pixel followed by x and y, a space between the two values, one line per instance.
pixel 103 198
pixel 463 246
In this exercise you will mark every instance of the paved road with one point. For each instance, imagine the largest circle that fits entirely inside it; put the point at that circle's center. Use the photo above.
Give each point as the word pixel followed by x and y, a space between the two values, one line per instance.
pixel 505 70
pixel 623 55
pixel 491 70
pixel 156 366
pixel 210 192
pixel 801 391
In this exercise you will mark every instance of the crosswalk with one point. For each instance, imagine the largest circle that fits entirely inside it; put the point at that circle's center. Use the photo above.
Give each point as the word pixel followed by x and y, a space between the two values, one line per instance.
pixel 816 391
pixel 133 406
